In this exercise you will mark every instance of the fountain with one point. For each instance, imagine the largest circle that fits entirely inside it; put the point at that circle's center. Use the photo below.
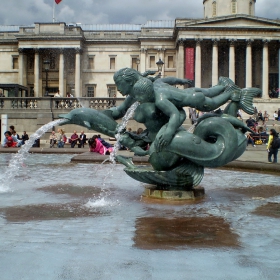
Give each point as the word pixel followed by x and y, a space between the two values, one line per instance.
pixel 62 220
pixel 177 157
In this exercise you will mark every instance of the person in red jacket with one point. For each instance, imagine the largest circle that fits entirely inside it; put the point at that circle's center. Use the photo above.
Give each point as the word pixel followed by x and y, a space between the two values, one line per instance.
pixel 9 141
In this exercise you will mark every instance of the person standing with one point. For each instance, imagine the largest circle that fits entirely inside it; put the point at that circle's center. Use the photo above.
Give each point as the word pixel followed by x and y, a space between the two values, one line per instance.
pixel 275 115
pixel 56 95
pixel 272 150
pixel 82 139
pixel 69 95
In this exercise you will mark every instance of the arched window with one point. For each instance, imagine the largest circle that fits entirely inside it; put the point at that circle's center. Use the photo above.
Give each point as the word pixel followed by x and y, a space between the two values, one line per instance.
pixel 250 8
pixel 214 9
pixel 234 7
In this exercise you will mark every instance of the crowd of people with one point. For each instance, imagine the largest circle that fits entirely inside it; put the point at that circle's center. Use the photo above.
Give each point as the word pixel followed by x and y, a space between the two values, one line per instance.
pixel 257 124
pixel 60 139
pixel 12 139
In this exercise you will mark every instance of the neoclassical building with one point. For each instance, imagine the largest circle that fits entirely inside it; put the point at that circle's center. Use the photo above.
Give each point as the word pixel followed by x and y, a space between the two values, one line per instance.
pixel 229 41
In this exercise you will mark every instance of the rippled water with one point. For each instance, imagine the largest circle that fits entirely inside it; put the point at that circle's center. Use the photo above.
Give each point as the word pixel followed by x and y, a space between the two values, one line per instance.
pixel 61 220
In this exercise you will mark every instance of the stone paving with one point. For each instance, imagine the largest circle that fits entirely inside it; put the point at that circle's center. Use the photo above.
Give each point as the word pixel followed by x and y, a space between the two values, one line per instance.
pixel 254 158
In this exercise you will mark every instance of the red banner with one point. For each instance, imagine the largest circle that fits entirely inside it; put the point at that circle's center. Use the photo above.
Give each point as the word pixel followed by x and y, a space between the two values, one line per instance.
pixel 57 1
pixel 189 63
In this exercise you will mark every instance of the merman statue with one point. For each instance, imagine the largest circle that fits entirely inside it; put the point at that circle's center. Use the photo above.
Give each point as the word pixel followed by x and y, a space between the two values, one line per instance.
pixel 177 157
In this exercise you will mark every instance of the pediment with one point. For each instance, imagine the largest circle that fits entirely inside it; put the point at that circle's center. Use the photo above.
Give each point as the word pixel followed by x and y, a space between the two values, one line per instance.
pixel 241 21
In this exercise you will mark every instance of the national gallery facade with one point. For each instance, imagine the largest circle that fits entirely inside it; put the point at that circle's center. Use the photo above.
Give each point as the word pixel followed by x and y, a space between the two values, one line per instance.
pixel 81 59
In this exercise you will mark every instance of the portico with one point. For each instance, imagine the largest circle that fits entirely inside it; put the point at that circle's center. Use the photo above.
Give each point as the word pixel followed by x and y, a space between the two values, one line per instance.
pixel 38 45
pixel 250 60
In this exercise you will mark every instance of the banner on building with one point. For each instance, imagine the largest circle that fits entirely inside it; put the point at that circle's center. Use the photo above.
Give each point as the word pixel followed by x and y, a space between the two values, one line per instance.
pixel 57 1
pixel 189 63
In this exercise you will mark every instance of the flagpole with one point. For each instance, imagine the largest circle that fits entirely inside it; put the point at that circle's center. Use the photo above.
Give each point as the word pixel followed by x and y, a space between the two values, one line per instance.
pixel 53 19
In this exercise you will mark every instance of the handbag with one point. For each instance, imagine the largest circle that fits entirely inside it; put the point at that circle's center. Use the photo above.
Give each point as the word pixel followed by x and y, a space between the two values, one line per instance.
pixel 258 142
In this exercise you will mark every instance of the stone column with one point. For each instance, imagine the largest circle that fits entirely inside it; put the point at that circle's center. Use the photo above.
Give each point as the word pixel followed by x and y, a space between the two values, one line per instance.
pixel 161 53
pixel 21 68
pixel 78 73
pixel 143 60
pixel 215 72
pixel 265 75
pixel 232 60
pixel 279 70
pixel 198 63
pixel 181 57
pixel 61 73
pixel 36 73
pixel 249 63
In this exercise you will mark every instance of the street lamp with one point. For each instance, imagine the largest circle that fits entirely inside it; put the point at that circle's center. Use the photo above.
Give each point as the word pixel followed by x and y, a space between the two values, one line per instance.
pixel 159 65
pixel 137 62
pixel 47 68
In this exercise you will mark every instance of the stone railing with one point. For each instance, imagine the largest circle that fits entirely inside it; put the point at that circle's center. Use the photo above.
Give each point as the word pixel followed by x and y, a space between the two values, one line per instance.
pixel 32 103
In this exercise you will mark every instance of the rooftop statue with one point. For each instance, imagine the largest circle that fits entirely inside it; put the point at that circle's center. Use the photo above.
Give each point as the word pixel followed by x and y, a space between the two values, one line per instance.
pixel 177 157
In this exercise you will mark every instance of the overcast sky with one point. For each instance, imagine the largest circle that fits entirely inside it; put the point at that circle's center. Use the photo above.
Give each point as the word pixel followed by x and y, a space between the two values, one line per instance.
pixel 25 12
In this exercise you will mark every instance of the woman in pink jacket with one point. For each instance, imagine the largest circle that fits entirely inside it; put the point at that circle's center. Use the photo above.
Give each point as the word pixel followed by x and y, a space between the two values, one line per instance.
pixel 97 147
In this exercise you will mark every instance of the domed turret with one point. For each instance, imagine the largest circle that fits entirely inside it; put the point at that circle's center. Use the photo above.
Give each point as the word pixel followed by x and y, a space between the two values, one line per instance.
pixel 218 8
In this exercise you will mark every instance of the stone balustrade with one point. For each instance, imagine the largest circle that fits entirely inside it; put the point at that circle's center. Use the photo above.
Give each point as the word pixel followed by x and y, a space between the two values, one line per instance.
pixel 45 103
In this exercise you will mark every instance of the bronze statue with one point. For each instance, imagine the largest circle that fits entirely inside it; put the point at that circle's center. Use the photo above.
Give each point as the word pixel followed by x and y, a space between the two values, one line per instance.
pixel 177 157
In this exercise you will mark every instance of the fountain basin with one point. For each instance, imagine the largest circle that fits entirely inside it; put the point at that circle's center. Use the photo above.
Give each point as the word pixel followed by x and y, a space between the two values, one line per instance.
pixel 65 220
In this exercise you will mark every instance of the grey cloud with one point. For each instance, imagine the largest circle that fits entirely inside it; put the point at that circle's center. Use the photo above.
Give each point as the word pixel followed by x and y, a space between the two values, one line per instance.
pixel 16 12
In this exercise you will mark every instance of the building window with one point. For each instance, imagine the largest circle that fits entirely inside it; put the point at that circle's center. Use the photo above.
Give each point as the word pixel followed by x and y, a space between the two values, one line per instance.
pixel 112 63
pixel 90 91
pixel 112 91
pixel 91 62
pixel 214 9
pixel 170 61
pixel 152 61
pixel 134 64
pixel 234 7
pixel 15 62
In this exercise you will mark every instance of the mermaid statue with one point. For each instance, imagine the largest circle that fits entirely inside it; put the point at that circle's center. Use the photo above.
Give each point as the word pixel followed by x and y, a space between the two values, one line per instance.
pixel 177 157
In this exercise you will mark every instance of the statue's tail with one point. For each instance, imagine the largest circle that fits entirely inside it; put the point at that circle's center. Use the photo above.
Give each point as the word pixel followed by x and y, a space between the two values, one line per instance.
pixel 221 144
pixel 246 99
pixel 241 98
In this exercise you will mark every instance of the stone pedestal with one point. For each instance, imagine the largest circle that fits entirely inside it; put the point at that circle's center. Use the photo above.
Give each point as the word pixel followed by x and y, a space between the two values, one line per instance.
pixel 155 192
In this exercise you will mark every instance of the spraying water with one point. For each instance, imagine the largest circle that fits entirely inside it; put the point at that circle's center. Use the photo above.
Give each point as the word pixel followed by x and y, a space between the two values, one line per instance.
pixel 121 127
pixel 17 159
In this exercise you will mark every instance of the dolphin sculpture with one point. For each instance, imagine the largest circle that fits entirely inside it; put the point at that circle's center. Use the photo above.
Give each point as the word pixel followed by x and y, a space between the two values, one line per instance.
pixel 91 119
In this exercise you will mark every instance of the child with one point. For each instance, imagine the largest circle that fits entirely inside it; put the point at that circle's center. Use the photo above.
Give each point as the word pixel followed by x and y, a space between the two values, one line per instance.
pixel 9 141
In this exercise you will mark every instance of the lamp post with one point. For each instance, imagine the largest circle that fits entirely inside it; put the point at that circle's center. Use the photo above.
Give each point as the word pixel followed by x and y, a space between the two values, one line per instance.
pixel 137 62
pixel 159 65
pixel 47 68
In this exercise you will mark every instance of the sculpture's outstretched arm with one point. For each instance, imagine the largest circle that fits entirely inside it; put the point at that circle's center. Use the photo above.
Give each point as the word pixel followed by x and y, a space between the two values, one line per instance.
pixel 175 81
pixel 213 91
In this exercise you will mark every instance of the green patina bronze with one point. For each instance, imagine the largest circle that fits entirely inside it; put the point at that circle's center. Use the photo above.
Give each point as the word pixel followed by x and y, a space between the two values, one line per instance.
pixel 177 156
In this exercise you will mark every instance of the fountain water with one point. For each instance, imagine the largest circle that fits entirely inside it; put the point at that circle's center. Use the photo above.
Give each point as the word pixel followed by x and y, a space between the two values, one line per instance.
pixel 17 160
pixel 51 214
pixel 121 127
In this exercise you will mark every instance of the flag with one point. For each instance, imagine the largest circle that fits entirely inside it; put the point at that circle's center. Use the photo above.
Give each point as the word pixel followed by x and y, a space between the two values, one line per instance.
pixel 57 1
